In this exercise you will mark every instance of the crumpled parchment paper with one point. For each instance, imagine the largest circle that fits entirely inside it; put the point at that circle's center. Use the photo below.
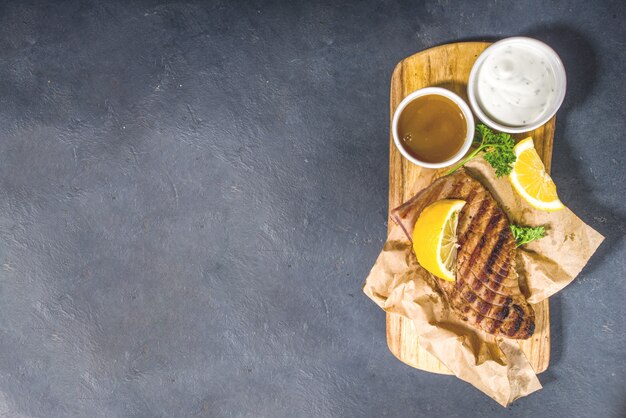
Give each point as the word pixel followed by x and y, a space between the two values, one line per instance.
pixel 495 365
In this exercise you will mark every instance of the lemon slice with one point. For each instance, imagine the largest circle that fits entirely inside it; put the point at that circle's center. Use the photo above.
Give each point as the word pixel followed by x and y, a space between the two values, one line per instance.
pixel 434 237
pixel 530 179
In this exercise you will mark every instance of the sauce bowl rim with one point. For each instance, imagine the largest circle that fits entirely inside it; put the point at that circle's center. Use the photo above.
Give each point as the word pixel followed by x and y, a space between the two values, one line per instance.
pixel 457 100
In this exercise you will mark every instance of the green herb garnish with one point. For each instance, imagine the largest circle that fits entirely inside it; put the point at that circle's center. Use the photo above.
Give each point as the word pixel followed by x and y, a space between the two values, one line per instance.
pixel 525 234
pixel 497 149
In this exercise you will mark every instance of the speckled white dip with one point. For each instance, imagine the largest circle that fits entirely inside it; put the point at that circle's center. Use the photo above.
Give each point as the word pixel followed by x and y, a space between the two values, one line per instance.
pixel 516 85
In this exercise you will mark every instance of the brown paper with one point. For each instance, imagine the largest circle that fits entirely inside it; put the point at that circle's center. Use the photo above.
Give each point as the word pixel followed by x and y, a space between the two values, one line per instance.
pixel 495 365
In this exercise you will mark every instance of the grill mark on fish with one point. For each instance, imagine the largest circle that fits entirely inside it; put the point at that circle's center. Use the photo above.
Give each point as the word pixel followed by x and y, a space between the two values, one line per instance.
pixel 472 194
pixel 505 281
pixel 503 270
pixel 487 284
pixel 506 243
pixel 487 294
pixel 486 318
pixel 483 307
pixel 482 241
pixel 476 303
pixel 495 327
pixel 495 253
pixel 458 186
pixel 470 297
pixel 516 325
pixel 504 312
pixel 494 286
pixel 518 309
pixel 461 289
pixel 499 299
pixel 453 191
pixel 503 277
pixel 481 212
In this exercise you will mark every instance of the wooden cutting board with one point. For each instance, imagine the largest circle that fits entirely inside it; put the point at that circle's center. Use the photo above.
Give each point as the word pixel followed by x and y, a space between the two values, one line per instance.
pixel 448 66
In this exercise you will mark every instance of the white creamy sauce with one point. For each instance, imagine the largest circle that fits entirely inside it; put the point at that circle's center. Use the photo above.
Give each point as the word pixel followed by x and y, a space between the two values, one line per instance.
pixel 515 85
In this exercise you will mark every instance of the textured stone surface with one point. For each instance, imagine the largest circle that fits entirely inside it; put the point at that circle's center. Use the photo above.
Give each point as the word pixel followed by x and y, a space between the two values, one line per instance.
pixel 191 195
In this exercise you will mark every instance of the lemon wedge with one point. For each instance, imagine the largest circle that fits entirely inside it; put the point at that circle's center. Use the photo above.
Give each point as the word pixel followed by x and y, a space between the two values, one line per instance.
pixel 434 237
pixel 530 179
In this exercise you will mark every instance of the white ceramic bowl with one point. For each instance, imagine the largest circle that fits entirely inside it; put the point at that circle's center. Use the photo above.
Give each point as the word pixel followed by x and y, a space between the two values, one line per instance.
pixel 467 113
pixel 556 65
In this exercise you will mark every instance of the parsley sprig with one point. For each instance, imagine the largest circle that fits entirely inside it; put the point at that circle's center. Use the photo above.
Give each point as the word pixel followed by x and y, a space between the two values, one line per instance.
pixel 525 234
pixel 496 148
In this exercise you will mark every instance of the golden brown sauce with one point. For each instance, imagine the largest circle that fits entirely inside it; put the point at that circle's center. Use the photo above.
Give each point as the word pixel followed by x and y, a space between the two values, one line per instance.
pixel 432 128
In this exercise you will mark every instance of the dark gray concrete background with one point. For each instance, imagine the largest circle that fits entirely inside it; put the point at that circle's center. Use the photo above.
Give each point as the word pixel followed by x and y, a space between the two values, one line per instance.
pixel 191 195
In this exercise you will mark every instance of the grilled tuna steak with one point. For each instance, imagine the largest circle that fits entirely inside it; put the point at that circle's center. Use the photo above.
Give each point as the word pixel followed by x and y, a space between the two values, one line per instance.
pixel 486 292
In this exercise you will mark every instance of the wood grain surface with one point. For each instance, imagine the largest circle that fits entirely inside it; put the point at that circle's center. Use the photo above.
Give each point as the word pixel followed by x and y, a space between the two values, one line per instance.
pixel 448 66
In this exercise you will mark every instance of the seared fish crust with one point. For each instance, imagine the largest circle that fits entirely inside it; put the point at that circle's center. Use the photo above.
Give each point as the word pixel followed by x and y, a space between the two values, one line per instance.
pixel 486 292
